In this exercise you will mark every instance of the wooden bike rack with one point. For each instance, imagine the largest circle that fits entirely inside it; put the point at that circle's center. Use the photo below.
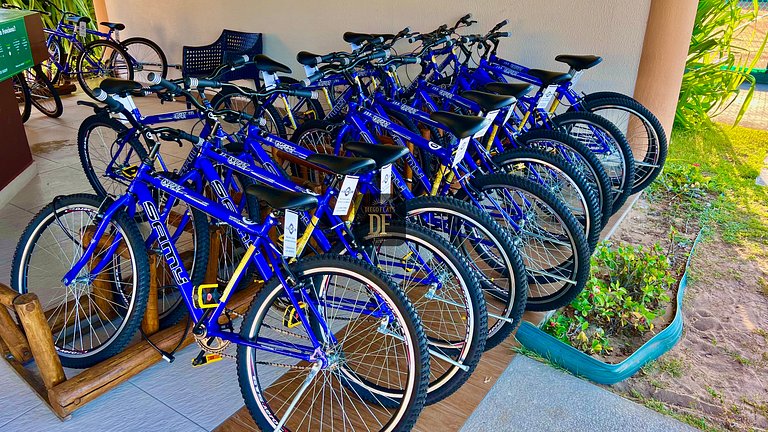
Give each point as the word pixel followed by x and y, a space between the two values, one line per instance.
pixel 32 340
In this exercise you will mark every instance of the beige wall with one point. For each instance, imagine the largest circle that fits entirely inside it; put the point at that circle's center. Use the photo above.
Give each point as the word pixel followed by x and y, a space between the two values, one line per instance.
pixel 541 28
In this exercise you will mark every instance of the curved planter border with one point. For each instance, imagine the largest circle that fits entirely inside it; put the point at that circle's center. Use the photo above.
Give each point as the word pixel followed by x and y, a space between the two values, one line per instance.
pixel 586 366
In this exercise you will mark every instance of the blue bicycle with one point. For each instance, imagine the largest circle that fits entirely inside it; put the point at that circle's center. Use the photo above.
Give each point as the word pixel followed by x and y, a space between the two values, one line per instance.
pixel 329 323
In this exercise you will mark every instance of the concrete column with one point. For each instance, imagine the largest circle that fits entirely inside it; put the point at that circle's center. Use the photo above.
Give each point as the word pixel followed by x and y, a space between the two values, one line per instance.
pixel 100 7
pixel 662 62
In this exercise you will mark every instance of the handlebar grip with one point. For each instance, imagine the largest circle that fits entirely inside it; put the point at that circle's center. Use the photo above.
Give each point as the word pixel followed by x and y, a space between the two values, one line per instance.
pixel 303 93
pixel 466 17
pixel 102 96
pixel 239 60
pixel 312 78
pixel 201 83
pixel 503 34
pixel 410 60
pixel 189 137
pixel 383 54
pixel 157 80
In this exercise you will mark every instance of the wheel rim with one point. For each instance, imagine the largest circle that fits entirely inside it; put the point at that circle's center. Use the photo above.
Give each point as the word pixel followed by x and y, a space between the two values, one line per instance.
pixel 274 383
pixel 83 319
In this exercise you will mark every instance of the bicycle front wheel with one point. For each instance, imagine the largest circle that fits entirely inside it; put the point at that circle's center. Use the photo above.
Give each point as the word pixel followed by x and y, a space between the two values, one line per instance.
pixel 21 91
pixel 97 315
pixel 99 60
pixel 377 372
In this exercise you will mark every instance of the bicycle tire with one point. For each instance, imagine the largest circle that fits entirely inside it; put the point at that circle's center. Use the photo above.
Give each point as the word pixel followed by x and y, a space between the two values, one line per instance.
pixel 231 98
pixel 445 379
pixel 583 204
pixel 21 90
pixel 580 156
pixel 505 303
pixel 44 95
pixel 133 247
pixel 550 285
pixel 621 176
pixel 411 399
pixel 123 68
pixel 650 161
pixel 141 72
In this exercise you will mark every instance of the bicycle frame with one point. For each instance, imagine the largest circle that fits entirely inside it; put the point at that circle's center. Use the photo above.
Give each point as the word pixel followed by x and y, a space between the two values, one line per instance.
pixel 261 252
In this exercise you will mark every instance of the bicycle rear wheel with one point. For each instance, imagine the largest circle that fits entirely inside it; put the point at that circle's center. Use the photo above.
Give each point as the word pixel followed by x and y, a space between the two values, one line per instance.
pixel 488 249
pixel 643 130
pixel 23 98
pixel 609 145
pixel 43 95
pixel 378 372
pixel 146 57
pixel 551 241
pixel 99 60
pixel 560 178
pixel 97 315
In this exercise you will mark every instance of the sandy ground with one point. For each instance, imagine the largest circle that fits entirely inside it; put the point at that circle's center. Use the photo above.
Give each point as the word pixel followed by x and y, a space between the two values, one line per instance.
pixel 719 370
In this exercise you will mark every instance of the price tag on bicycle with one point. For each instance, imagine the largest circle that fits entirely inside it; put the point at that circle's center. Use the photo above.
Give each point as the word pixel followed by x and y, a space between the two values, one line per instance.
pixel 545 101
pixel 386 182
pixel 290 233
pixel 81 29
pixel 491 116
pixel 460 151
pixel 346 193
pixel 509 112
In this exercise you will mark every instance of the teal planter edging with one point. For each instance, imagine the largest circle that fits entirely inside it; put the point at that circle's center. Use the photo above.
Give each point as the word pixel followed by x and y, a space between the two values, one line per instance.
pixel 584 365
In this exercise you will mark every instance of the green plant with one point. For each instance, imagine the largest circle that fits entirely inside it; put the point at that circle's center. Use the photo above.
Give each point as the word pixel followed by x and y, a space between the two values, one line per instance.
pixel 625 293
pixel 716 67
pixel 80 7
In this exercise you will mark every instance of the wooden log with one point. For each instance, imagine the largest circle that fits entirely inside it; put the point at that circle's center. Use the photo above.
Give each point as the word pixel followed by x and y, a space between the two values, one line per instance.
pixel 97 380
pixel 13 337
pixel 151 321
pixel 7 295
pixel 40 339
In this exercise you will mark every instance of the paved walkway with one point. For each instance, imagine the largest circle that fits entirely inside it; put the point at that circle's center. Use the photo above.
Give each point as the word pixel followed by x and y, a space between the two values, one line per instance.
pixel 532 396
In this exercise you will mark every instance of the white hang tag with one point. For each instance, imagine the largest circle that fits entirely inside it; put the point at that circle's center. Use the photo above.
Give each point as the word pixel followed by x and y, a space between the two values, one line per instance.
pixel 117 34
pixel 491 116
pixel 310 70
pixel 386 182
pixel 81 29
pixel 355 47
pixel 290 233
pixel 128 103
pixel 346 193
pixel 546 98
pixel 460 151
pixel 270 81
pixel 576 76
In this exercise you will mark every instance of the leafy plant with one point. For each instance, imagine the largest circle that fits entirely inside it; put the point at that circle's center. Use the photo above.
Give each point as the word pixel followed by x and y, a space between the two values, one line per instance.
pixel 627 290
pixel 79 7
pixel 716 67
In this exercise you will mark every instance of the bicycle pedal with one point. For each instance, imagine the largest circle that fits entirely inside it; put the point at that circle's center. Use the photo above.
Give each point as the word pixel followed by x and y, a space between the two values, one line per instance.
pixel 203 359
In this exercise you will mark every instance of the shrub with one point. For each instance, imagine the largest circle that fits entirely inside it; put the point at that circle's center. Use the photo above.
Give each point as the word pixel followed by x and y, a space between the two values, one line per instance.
pixel 627 290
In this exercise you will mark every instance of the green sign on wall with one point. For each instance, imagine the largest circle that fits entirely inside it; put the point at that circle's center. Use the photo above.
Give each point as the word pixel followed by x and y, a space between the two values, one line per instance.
pixel 15 53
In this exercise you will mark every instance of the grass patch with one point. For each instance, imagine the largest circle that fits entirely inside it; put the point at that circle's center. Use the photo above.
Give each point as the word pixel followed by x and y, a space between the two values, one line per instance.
pixel 724 161
pixel 671 366
pixel 695 421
